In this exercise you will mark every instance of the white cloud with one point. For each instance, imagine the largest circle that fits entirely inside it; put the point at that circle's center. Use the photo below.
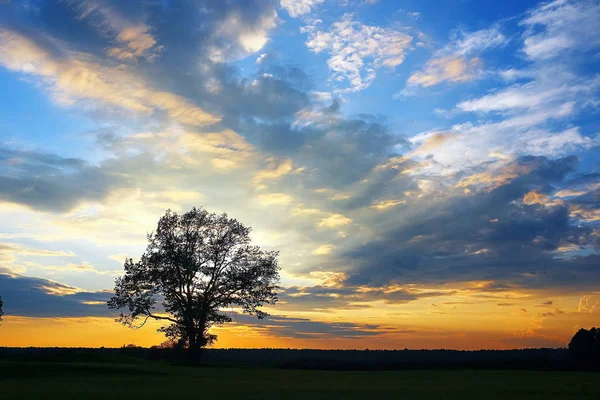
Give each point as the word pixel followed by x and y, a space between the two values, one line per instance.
pixel 356 51
pixel 260 58
pixel 553 92
pixel 490 145
pixel 561 26
pixel 236 38
pixel 539 47
pixel 516 97
pixel 556 144
pixel 466 44
pixel 298 8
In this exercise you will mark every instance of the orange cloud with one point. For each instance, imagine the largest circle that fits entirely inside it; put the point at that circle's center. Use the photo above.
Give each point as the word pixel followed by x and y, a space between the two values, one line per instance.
pixel 453 69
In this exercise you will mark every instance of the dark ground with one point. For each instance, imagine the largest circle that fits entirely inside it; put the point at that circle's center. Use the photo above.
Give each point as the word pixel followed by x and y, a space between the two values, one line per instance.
pixel 160 380
pixel 339 360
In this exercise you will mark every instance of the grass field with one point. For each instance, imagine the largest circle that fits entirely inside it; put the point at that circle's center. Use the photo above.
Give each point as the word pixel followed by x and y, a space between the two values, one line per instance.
pixel 20 380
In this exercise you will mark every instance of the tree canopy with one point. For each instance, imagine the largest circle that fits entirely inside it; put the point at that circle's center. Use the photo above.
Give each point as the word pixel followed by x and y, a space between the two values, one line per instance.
pixel 585 344
pixel 196 266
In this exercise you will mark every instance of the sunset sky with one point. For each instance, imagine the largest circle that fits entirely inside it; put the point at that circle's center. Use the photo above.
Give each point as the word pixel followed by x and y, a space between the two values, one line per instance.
pixel 428 170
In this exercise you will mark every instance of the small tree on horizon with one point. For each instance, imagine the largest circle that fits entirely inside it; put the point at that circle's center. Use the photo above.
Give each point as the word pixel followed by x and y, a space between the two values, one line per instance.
pixel 196 265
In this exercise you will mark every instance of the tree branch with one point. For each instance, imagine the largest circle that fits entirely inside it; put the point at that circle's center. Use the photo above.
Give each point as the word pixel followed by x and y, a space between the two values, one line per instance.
pixel 159 317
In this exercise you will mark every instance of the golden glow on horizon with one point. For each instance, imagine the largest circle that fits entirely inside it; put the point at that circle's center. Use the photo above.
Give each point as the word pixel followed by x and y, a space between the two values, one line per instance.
pixel 450 322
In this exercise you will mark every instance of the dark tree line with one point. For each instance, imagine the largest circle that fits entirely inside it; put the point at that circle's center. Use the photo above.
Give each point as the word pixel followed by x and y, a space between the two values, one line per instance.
pixel 532 359
pixel 196 265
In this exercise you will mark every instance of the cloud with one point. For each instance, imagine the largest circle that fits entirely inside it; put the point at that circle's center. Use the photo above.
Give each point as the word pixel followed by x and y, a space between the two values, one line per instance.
pixel 298 8
pixel 456 61
pixel 18 249
pixel 275 170
pixel 341 295
pixel 52 183
pixel 493 145
pixel 458 242
pixel 386 204
pixel 324 249
pixel 356 51
pixel 589 304
pixel 133 39
pixel 242 31
pixel 561 27
pixel 13 256
pixel 73 77
pixel 525 114
pixel 536 95
pixel 227 149
pixel 322 219
pixel 429 141
pixel 274 198
pixel 37 297
pixel 71 267
pixel 514 98
pixel 303 328
pixel 445 69
pixel 335 221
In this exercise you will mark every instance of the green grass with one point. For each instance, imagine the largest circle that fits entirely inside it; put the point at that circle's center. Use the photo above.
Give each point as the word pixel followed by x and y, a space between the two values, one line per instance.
pixel 160 381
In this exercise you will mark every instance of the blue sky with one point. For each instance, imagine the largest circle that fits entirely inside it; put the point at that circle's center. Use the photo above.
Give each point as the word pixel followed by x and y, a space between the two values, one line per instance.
pixel 401 155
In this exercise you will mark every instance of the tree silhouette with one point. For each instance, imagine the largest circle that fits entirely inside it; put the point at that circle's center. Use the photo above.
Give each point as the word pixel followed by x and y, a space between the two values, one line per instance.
pixel 585 344
pixel 196 265
pixel 1 312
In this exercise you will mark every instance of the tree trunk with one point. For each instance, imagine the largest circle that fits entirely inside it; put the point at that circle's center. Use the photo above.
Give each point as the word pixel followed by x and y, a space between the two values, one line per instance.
pixel 193 350
pixel 194 353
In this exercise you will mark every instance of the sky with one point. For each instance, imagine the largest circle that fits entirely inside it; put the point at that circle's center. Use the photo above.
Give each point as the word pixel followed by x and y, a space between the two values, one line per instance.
pixel 428 170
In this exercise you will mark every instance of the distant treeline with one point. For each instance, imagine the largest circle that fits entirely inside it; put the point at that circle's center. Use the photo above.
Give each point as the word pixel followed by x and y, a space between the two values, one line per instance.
pixel 538 359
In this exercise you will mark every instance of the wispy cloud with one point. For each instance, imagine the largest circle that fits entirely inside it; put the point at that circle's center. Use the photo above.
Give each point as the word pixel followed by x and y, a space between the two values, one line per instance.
pixel 77 77
pixel 561 27
pixel 132 38
pixel 458 61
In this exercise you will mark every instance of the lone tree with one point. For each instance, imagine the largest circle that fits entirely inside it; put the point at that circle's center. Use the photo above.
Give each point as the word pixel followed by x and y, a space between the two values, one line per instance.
pixel 195 266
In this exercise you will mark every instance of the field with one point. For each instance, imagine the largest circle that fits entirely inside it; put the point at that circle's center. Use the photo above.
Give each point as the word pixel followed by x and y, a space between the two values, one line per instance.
pixel 36 380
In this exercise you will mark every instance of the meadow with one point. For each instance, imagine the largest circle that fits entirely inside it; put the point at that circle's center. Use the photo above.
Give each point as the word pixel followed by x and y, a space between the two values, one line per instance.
pixel 159 380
